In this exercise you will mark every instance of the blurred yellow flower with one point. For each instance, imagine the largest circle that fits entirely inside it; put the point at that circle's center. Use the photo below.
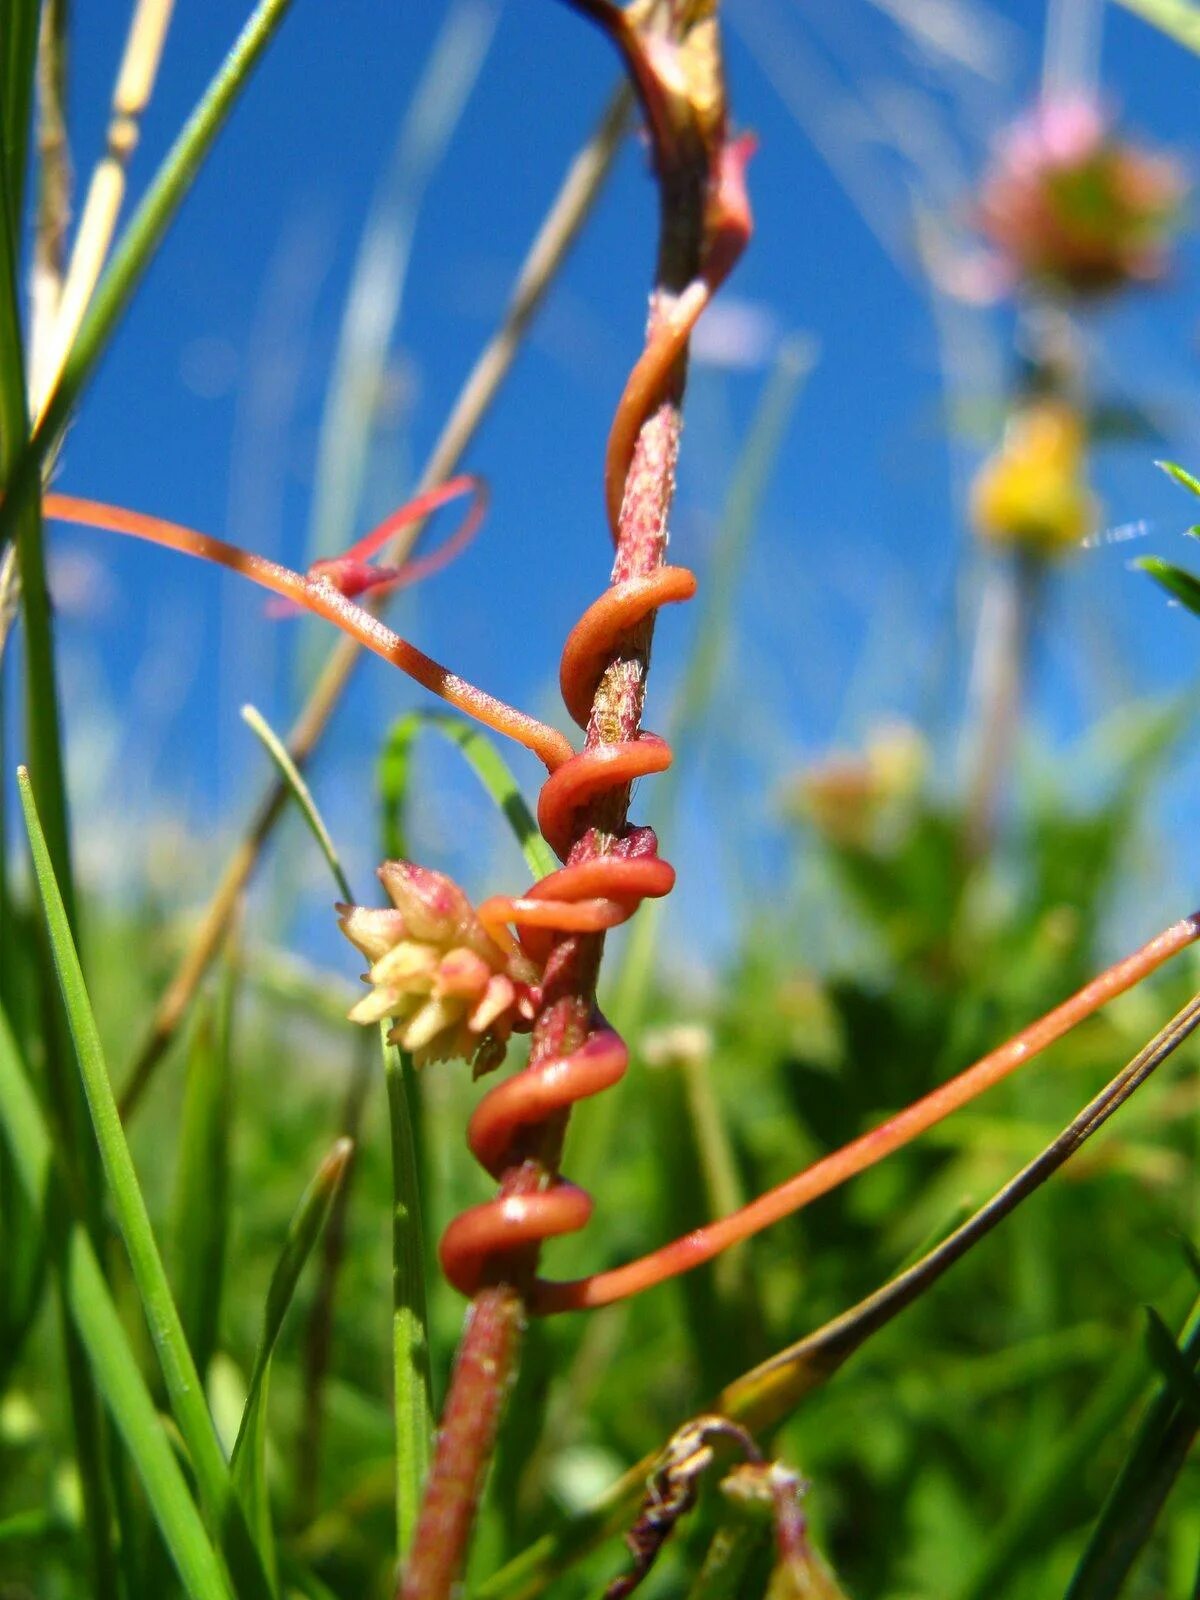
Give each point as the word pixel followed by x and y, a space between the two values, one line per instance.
pixel 1031 493
pixel 844 796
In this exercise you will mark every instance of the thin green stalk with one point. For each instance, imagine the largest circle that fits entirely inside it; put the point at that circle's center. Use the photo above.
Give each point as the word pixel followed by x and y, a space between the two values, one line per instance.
pixel 184 1389
pixel 109 1357
pixel 485 761
pixel 414 1409
pixel 301 793
pixel 25 521
pixel 413 1390
pixel 18 54
pixel 249 1460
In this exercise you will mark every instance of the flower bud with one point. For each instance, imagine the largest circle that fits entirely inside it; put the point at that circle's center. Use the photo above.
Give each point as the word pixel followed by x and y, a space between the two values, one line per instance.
pixel 450 988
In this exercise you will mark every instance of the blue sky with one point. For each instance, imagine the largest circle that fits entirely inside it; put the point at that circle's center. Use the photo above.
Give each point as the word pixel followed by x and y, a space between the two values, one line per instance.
pixel 857 601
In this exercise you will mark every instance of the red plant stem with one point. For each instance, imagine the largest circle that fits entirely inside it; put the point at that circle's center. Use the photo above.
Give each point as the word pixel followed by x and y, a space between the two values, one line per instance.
pixel 693 1249
pixel 491 1342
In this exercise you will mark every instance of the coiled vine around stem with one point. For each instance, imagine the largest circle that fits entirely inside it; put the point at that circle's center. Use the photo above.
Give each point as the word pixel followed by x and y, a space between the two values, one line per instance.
pixel 490 1251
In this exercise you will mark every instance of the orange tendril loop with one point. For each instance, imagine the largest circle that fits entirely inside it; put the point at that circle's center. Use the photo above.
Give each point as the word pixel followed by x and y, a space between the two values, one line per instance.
pixel 595 895
pixel 326 591
pixel 353 572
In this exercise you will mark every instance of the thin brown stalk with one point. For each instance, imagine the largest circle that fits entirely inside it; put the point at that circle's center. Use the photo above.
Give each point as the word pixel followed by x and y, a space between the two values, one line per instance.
pixel 106 191
pixel 491 1342
pixel 561 226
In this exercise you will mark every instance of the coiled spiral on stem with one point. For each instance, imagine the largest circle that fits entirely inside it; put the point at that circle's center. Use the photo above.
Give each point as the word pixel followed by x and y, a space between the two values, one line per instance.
pixel 592 896
pixel 587 897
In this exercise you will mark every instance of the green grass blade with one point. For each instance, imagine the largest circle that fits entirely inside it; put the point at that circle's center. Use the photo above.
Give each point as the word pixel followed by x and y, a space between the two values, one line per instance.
pixel 137 245
pixel 1156 1455
pixel 1178 1371
pixel 1182 585
pixel 1030 1522
pixel 103 1339
pixel 18 43
pixel 290 774
pixel 183 1384
pixel 412 1379
pixel 249 1451
pixel 1178 19
pixel 1182 477
pixel 24 520
pixel 18 53
pixel 13 414
pixel 200 1227
pixel 395 764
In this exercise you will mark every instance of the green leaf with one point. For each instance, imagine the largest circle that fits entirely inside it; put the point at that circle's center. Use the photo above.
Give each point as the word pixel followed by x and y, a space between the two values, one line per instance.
pixel 1180 474
pixel 1175 580
pixel 1179 1374
pixel 488 766
pixel 301 793
pixel 304 1229
pixel 111 1361
pixel 1156 1456
pixel 184 1389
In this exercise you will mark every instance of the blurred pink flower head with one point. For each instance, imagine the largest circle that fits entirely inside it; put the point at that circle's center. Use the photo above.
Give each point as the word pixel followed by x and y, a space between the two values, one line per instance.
pixel 1072 208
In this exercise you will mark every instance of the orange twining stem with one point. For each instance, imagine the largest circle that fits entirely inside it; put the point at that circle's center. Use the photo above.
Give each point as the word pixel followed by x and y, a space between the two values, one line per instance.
pixel 595 895
pixel 588 898
pixel 729 229
pixel 323 591
pixel 682 1255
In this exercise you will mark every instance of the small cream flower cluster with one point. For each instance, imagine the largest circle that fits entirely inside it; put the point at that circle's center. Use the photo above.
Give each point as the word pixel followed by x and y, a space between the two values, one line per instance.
pixel 450 989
